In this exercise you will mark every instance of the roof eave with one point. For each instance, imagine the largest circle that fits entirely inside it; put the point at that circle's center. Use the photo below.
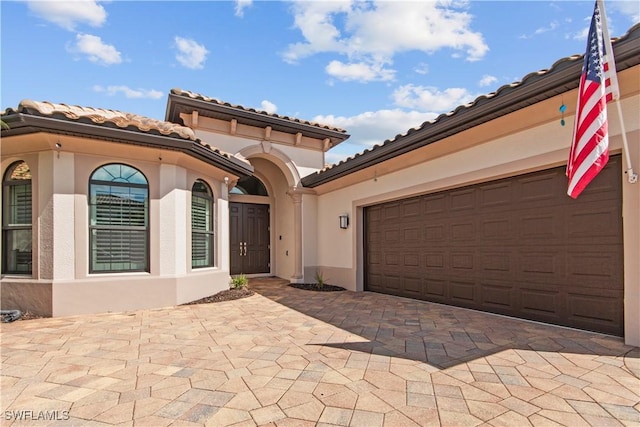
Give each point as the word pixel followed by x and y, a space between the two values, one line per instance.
pixel 176 104
pixel 21 124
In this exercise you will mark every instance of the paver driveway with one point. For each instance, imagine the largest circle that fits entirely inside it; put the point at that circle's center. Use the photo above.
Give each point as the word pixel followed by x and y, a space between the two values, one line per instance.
pixel 292 357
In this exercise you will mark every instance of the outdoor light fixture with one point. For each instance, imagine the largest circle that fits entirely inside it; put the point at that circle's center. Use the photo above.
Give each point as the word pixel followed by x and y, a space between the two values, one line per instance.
pixel 344 221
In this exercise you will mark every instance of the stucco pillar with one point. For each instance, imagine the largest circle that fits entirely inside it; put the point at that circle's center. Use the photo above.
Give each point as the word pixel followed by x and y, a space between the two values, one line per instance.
pixel 172 220
pixel 297 235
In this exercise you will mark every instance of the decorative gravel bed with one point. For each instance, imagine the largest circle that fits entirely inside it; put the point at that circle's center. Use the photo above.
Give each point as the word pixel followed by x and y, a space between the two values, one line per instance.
pixel 228 295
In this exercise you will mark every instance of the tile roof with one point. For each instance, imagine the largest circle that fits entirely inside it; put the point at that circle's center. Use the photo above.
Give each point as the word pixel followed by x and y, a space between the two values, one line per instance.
pixel 114 119
pixel 506 99
pixel 100 116
pixel 193 95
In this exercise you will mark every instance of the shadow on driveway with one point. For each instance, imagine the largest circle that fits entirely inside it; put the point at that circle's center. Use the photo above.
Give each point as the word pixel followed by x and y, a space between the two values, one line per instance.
pixel 440 335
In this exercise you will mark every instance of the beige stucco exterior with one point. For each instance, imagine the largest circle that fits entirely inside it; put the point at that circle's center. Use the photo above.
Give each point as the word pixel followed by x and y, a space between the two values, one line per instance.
pixel 61 283
pixel 528 140
pixel 304 233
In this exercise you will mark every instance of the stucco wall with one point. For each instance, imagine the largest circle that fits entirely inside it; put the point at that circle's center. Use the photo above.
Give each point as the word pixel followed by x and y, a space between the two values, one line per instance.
pixel 61 283
pixel 532 148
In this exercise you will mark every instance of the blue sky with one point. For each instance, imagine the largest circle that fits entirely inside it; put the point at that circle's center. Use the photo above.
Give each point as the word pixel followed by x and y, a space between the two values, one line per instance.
pixel 373 68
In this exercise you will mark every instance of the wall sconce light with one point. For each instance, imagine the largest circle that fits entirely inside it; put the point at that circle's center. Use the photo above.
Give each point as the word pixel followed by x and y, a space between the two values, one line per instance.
pixel 344 221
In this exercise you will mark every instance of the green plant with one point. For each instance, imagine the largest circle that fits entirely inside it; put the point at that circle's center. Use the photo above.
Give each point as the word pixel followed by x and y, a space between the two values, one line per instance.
pixel 238 282
pixel 320 281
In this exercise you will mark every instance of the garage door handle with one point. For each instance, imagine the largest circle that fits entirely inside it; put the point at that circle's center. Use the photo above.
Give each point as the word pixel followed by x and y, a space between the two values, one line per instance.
pixel 245 248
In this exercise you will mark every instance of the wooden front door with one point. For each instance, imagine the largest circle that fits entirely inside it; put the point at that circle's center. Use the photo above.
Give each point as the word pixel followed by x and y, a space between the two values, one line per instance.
pixel 249 247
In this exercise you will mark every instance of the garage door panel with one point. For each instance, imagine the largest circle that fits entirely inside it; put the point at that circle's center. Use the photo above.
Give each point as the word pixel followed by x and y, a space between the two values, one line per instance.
pixel 496 227
pixel 462 232
pixel 594 312
pixel 596 222
pixel 540 303
pixel 498 296
pixel 541 188
pixel 497 264
pixel 517 246
pixel 435 288
pixel 434 262
pixel 595 270
pixel 413 286
pixel 435 234
pixel 463 292
pixel 494 197
pixel 461 262
pixel 545 225
pixel 462 200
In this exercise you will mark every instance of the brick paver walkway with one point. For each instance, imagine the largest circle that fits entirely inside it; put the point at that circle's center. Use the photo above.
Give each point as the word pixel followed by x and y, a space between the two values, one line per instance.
pixel 290 357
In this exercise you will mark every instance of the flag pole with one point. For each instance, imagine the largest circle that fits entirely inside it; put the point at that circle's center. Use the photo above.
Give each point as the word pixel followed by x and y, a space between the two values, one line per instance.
pixel 632 177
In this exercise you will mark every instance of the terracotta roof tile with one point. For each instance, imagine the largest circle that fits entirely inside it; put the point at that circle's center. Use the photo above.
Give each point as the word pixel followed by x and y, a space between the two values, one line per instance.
pixel 193 95
pixel 100 116
pixel 123 120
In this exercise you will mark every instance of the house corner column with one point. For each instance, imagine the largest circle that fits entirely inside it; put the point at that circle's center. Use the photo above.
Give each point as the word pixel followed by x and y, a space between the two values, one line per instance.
pixel 296 196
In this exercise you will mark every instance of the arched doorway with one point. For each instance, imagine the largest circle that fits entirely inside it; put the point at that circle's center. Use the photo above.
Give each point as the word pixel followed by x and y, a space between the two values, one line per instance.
pixel 250 249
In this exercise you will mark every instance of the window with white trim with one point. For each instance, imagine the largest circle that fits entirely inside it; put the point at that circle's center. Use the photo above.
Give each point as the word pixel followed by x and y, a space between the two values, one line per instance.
pixel 118 220
pixel 16 220
pixel 202 230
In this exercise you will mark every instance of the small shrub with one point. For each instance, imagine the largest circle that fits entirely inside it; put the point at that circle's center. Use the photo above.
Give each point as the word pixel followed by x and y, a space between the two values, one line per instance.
pixel 238 282
pixel 320 281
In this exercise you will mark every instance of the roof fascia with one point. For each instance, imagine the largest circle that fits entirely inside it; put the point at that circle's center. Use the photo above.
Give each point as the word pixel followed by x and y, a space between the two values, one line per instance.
pixel 21 124
pixel 229 112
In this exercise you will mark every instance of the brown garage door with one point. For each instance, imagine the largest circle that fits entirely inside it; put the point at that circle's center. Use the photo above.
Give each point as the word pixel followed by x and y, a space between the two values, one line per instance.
pixel 518 246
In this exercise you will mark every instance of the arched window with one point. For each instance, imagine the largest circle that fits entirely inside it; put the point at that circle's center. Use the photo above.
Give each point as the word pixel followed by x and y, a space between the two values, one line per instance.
pixel 16 220
pixel 202 234
pixel 118 220
pixel 250 186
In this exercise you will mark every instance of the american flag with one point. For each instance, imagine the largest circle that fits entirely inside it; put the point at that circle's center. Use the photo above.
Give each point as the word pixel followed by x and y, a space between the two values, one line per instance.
pixel 598 85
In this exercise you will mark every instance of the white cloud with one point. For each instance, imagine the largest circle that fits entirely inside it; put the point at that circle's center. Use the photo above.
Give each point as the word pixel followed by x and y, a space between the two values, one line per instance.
pixel 431 99
pixel 487 80
pixel 422 68
pixel 95 49
pixel 128 92
pixel 370 128
pixel 361 30
pixel 241 5
pixel 269 107
pixel 68 14
pixel 552 26
pixel 190 54
pixel 631 9
pixel 361 71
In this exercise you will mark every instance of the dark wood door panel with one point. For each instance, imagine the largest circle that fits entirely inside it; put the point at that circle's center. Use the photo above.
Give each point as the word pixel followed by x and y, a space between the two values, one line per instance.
pixel 249 238
pixel 517 246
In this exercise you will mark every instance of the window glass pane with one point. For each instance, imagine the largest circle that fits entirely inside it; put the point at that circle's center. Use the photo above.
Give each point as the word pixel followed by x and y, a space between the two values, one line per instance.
pixel 17 249
pixel 201 213
pixel 19 204
pixel 201 187
pixel 119 173
pixel 119 218
pixel 201 249
pixel 119 250
pixel 17 254
pixel 250 185
pixel 201 225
